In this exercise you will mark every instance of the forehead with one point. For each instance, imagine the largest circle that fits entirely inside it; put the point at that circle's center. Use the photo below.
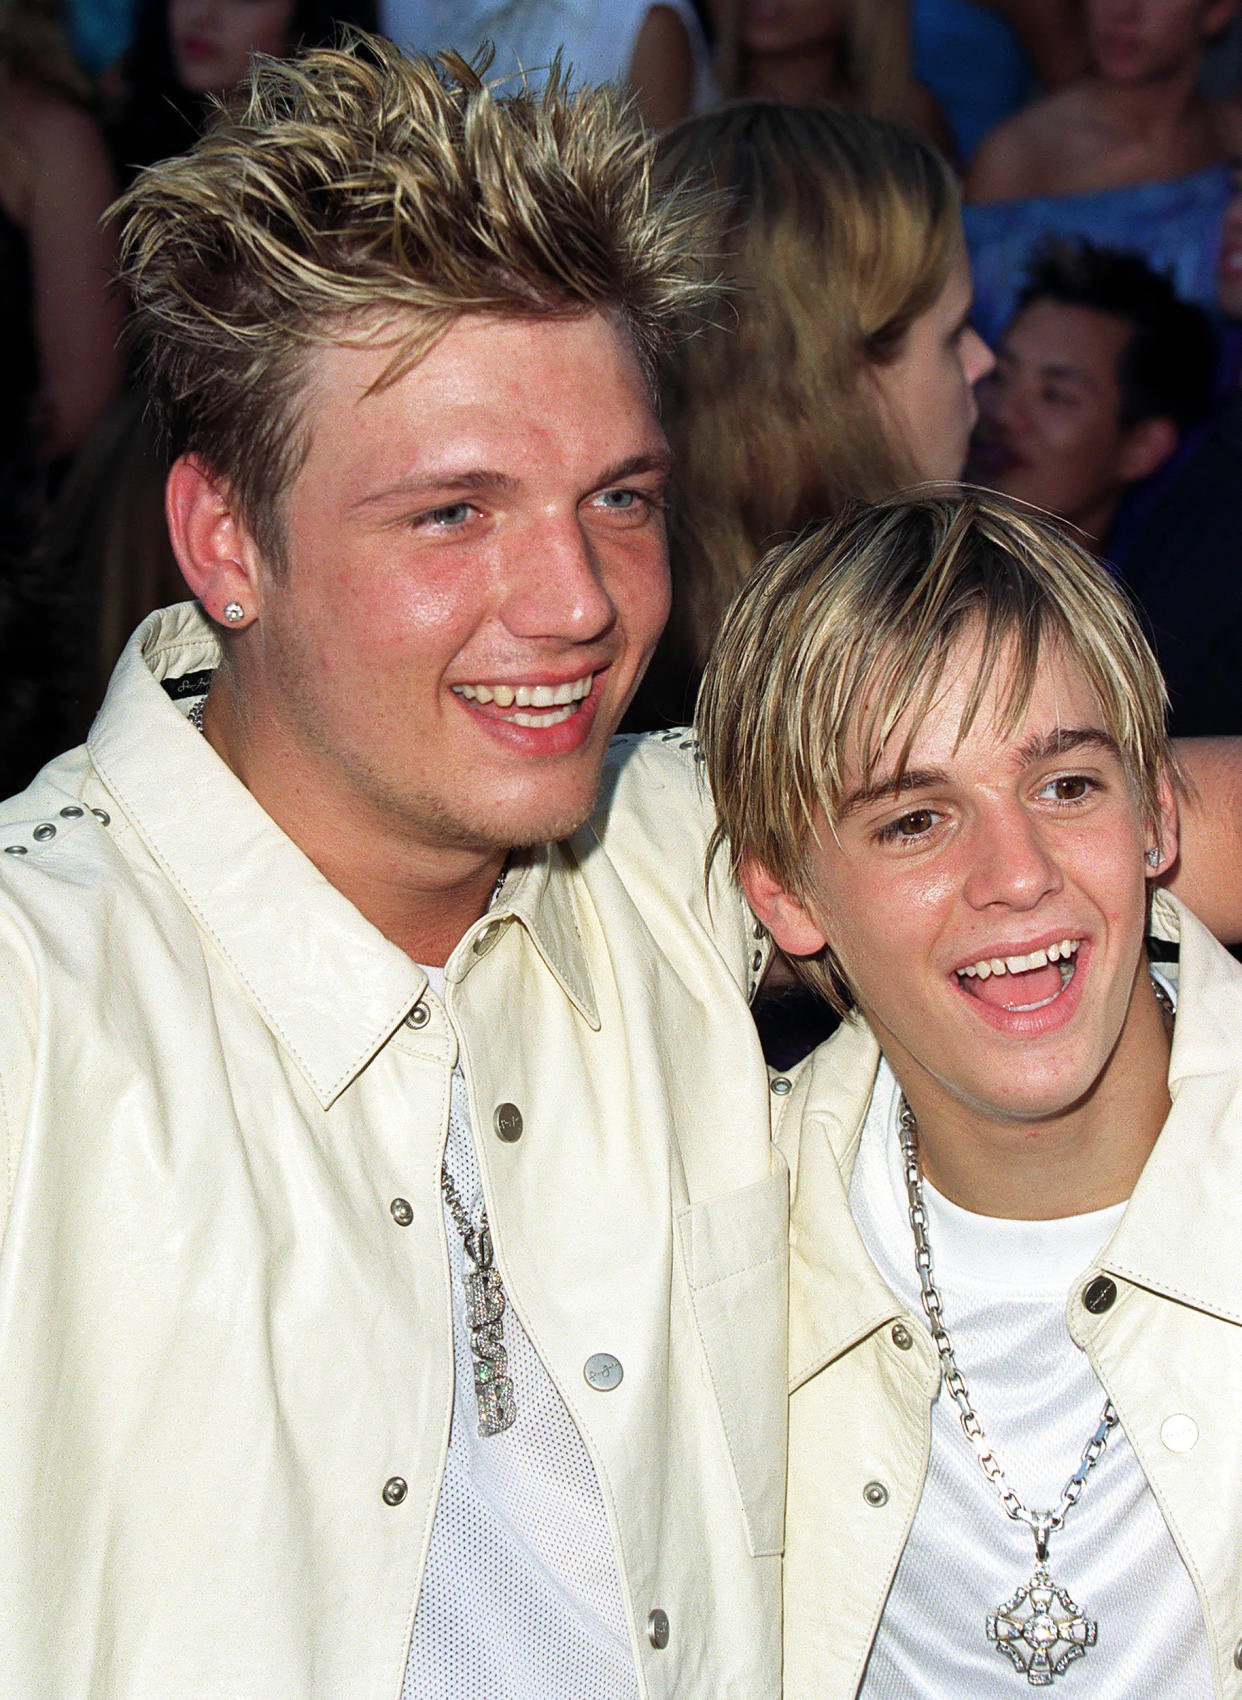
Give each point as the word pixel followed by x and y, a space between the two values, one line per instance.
pixel 955 294
pixel 973 712
pixel 523 389
pixel 1052 335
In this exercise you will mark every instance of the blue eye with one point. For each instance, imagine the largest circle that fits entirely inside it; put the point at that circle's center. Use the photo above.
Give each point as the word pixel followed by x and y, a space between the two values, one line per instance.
pixel 453 513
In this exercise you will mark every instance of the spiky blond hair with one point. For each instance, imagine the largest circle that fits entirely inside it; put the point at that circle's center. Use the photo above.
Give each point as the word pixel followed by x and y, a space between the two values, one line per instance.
pixel 355 193
pixel 845 635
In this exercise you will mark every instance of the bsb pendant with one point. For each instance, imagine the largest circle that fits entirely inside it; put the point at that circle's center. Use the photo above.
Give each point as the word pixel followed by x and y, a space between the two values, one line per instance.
pixel 485 1307
pixel 1041 1630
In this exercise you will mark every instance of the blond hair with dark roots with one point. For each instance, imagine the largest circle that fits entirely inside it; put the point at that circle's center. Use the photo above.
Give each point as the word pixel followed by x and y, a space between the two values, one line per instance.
pixel 356 193
pixel 834 231
pixel 845 634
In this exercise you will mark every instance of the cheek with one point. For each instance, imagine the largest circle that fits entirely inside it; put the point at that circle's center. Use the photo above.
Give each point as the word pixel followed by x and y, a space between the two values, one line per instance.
pixel 639 588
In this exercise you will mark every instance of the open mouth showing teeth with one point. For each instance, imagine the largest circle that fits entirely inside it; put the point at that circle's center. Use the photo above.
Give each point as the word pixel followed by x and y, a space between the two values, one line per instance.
pixel 1021 983
pixel 531 705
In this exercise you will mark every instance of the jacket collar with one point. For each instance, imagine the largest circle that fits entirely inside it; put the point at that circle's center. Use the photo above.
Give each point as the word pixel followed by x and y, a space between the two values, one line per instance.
pixel 326 982
pixel 837 1296
pixel 1181 1234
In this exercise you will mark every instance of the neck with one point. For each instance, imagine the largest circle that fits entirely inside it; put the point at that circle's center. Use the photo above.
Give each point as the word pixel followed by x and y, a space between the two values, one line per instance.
pixel 422 897
pixel 1151 111
pixel 1039 1169
pixel 803 78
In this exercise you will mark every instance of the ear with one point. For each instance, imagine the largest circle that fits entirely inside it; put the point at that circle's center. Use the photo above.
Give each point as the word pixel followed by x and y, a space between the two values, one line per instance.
pixel 213 546
pixel 1167 837
pixel 785 916
pixel 1146 446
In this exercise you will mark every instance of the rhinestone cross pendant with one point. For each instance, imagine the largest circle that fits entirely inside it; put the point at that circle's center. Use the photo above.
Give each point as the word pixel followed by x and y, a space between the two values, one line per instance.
pixel 1041 1630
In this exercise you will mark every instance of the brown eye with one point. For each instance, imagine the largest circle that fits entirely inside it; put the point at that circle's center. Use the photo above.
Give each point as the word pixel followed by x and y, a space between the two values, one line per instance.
pixel 916 822
pixel 1071 788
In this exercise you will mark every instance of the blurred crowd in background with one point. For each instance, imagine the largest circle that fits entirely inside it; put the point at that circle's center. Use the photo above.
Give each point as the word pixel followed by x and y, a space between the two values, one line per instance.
pixel 928 210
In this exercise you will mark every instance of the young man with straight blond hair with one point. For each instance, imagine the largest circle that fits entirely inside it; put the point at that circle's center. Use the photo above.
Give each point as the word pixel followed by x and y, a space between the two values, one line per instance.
pixel 393 1268
pixel 935 734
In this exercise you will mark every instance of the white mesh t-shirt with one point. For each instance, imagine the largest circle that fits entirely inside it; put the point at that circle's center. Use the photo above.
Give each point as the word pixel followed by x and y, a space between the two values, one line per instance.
pixel 520 1599
pixel 1005 1286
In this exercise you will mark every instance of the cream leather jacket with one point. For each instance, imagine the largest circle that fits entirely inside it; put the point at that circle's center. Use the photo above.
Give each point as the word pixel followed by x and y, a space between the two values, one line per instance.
pixel 219 1343
pixel 863 1371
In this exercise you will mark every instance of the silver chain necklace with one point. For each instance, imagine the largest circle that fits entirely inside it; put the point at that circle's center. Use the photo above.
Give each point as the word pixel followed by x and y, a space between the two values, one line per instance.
pixel 1039 1628
pixel 485 1297
pixel 485 1309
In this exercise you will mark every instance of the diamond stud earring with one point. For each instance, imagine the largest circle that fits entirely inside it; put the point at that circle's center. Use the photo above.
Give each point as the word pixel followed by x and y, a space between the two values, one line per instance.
pixel 233 612
pixel 1153 856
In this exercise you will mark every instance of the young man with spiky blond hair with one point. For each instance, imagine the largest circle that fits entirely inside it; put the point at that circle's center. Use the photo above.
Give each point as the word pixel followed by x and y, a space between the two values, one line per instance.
pixel 392 1280
pixel 1016 1169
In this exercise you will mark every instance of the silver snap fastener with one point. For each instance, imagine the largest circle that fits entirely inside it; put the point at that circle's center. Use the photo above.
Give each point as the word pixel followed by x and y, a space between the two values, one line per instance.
pixel 487 938
pixel 1237 1656
pixel 508 1123
pixel 43 832
pixel 70 812
pixel 657 1628
pixel 875 1493
pixel 15 849
pixel 1179 1432
pixel 902 1337
pixel 103 816
pixel 402 1213
pixel 395 1490
pixel 419 1016
pixel 780 1086
pixel 603 1372
pixel 761 932
pixel 1098 1295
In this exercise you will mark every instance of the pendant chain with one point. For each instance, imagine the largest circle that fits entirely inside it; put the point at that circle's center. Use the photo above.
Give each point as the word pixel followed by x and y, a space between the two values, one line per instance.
pixel 1041 1523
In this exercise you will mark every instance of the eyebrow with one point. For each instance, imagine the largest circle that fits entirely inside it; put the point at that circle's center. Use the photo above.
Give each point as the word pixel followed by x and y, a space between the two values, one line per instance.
pixel 1063 741
pixel 891 787
pixel 443 486
pixel 1064 373
pixel 1041 746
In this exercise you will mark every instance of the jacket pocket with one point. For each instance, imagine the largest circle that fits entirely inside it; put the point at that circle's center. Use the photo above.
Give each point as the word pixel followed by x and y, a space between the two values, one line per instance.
pixel 735 1250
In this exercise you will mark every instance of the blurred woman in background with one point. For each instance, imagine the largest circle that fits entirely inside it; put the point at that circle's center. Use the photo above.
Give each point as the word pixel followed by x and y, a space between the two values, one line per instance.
pixel 187 51
pixel 846 53
pixel 839 366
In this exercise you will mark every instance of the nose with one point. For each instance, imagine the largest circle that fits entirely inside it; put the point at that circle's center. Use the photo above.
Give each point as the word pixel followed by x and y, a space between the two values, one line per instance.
pixel 1010 862
pixel 977 358
pixel 556 589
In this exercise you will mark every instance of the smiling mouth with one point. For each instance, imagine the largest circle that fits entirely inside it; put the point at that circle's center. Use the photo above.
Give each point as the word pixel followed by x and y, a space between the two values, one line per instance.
pixel 529 705
pixel 1022 983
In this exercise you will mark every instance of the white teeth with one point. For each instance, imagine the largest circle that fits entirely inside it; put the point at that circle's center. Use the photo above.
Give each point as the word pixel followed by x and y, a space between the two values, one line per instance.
pixel 987 966
pixel 531 696
pixel 546 719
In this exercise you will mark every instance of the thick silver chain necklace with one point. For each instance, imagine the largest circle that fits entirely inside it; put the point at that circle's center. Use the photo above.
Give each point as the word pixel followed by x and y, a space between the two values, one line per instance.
pixel 485 1309
pixel 485 1297
pixel 1039 1628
